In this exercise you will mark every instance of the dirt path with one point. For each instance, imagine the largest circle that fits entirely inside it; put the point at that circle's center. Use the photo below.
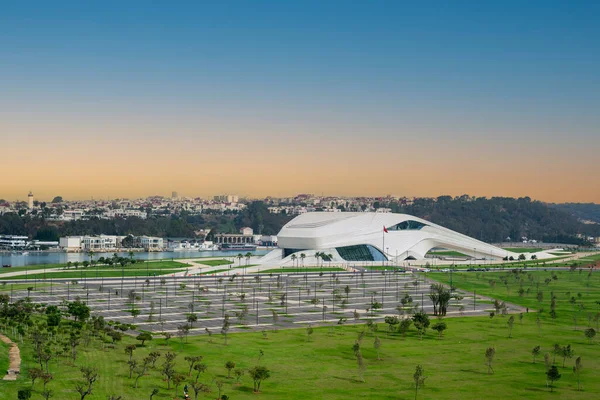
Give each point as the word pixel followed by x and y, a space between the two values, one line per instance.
pixel 14 358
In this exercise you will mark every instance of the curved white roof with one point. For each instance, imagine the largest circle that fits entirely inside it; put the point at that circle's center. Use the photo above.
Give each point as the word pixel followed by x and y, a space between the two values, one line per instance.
pixel 325 230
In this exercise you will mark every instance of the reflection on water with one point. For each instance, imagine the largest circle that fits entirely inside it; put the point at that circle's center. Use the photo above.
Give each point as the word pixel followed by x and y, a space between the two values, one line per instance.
pixel 38 258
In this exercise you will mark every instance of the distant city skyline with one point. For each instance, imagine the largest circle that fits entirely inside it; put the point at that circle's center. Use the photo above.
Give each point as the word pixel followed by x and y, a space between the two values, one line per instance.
pixel 241 197
pixel 128 99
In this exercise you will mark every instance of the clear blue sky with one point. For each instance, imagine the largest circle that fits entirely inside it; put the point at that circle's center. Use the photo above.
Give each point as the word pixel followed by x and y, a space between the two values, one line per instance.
pixel 461 74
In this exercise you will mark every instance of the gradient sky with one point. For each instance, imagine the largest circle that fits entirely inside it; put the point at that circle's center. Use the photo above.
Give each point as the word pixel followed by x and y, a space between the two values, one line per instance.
pixel 126 99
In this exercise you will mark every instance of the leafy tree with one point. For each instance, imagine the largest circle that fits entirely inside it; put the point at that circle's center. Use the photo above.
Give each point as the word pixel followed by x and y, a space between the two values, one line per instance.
pixel 90 376
pixel 510 322
pixel 191 319
pixel 34 374
pixel 238 374
pixel 377 346
pixel 143 337
pixel 391 321
pixel 590 333
pixel 577 370
pixel 24 394
pixel 419 379
pixel 79 310
pixel 154 393
pixel 490 353
pixel 229 365
pixel 199 368
pixel 178 379
pixel 440 327
pixel 553 375
pixel 198 388
pixel 168 368
pixel 309 332
pixel 404 326
pixel 567 352
pixel 192 360
pixel 535 352
pixel 129 349
pixel 421 321
pixel 259 374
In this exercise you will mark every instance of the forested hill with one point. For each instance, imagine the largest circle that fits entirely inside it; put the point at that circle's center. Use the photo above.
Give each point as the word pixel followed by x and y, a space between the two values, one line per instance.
pixel 490 220
pixel 496 218
pixel 583 211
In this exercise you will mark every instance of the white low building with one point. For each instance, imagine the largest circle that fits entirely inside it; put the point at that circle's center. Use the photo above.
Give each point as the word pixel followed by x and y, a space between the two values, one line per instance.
pixel 348 237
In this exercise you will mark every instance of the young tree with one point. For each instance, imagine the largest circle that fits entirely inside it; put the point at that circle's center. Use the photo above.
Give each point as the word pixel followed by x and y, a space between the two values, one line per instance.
pixel 510 322
pixel 199 368
pixel 590 333
pixel 168 368
pixel 154 393
pixel 129 349
pixel 229 365
pixel 192 360
pixel 490 353
pixel 440 327
pixel 577 370
pixel 419 379
pixel 258 375
pixel 24 394
pixel 309 332
pixel 567 352
pixel 238 374
pixel 404 326
pixel 535 352
pixel 377 346
pixel 219 384
pixel 167 335
pixel 143 337
pixel 90 376
pixel 154 356
pixel 198 388
pixel 178 379
pixel 421 321
pixel 34 374
pixel 132 365
pixel 553 375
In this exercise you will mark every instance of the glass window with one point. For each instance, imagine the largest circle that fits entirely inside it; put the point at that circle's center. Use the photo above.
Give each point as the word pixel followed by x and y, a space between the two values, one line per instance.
pixel 361 252
pixel 407 226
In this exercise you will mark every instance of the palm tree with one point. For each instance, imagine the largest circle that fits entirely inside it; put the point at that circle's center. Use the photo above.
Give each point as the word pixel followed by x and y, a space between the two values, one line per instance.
pixel 293 257
pixel 329 258
pixel 239 257
pixel 248 256
pixel 131 254
pixel 91 255
pixel 317 255
pixel 69 264
pixel 302 256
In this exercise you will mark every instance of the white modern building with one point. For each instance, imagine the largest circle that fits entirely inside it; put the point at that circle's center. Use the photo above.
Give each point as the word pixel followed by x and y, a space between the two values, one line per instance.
pixel 373 237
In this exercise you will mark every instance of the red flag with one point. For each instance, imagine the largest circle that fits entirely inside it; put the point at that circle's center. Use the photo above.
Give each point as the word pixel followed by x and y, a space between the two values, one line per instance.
pixel 385 229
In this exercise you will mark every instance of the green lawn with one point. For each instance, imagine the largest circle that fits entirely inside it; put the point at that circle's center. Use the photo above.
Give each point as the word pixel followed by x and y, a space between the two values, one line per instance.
pixel 325 367
pixel 524 249
pixel 91 273
pixel 214 263
pixel 161 264
pixel 3 360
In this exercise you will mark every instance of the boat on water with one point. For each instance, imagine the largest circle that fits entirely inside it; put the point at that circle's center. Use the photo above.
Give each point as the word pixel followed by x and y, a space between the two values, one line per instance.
pixel 237 247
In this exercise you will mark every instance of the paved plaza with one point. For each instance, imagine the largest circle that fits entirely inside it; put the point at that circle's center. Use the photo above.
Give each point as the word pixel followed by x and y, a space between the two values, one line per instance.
pixel 253 302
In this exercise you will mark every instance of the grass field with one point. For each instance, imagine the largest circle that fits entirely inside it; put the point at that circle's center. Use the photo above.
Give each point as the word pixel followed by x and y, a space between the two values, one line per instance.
pixel 524 249
pixel 3 359
pixel 325 367
pixel 91 273
pixel 214 263
pixel 141 264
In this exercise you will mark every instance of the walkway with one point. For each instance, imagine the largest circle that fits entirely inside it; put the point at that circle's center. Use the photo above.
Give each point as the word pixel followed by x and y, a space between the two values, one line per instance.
pixel 14 358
